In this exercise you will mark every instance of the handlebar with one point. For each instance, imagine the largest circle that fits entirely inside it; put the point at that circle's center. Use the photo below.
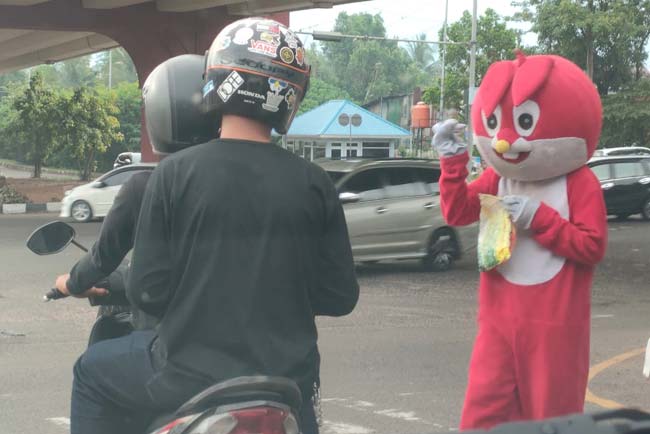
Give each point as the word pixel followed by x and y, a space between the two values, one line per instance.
pixel 53 294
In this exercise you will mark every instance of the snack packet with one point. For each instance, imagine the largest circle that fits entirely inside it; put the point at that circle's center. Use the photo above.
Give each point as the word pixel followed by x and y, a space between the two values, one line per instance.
pixel 496 236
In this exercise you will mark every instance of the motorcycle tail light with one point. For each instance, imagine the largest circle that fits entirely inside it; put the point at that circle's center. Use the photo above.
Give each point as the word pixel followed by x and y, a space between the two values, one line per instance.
pixel 264 420
pixel 177 426
pixel 221 423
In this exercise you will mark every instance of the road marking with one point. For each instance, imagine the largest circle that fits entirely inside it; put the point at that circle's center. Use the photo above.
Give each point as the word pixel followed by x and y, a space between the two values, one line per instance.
pixel 330 427
pixel 602 316
pixel 60 421
pixel 367 407
pixel 600 367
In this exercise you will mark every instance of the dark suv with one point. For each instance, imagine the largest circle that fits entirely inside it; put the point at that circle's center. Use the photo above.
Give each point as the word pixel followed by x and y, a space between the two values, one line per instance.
pixel 625 182
pixel 392 208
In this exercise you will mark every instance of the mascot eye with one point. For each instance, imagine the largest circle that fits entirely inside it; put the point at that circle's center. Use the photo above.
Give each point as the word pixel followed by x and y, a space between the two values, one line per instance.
pixel 526 117
pixel 492 123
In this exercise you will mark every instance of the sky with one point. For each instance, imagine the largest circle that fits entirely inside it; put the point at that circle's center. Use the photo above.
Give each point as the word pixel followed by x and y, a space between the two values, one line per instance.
pixel 402 18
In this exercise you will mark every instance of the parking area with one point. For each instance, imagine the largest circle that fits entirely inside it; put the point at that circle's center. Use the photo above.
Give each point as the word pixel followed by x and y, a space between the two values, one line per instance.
pixel 397 364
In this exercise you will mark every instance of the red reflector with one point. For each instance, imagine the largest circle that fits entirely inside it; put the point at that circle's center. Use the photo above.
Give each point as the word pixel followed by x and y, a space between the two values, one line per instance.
pixel 261 420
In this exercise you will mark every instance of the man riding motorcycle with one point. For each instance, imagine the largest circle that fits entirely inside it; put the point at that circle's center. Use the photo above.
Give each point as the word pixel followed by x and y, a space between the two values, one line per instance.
pixel 118 229
pixel 239 245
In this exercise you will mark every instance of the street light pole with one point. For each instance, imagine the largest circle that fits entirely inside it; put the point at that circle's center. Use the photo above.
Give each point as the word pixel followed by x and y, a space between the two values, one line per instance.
pixel 472 79
pixel 442 72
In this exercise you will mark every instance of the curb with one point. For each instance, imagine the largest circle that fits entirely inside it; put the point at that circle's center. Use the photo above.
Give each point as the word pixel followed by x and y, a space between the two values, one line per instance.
pixel 28 208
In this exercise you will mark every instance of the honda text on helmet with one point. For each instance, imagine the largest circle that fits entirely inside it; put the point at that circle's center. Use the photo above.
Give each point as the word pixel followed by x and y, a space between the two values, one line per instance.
pixel 173 107
pixel 256 68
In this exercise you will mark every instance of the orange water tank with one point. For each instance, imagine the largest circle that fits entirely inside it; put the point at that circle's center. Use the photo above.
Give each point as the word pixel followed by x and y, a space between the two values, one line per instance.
pixel 420 116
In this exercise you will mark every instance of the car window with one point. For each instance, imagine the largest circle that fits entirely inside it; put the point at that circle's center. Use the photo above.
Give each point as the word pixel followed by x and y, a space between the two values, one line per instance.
pixel 628 169
pixel 602 171
pixel 119 178
pixel 367 184
pixel 430 178
pixel 401 182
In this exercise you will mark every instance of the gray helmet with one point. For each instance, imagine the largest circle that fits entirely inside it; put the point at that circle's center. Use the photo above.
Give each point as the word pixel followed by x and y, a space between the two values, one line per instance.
pixel 256 68
pixel 174 113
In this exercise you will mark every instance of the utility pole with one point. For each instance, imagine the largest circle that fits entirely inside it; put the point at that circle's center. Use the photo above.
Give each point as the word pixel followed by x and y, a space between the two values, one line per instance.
pixel 472 81
pixel 442 74
pixel 110 68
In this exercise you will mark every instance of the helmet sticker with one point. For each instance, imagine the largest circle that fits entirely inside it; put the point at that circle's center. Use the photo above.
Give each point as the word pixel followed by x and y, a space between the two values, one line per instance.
pixel 286 54
pixel 300 56
pixel 243 35
pixel 271 38
pixel 209 87
pixel 223 42
pixel 265 48
pixel 229 86
pixel 270 27
pixel 273 97
pixel 290 98
pixel 291 39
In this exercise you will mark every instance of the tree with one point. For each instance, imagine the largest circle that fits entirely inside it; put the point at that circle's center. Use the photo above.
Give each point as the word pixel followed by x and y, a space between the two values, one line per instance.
pixel 422 53
pixel 320 92
pixel 36 122
pixel 626 115
pixel 494 42
pixel 122 70
pixel 89 126
pixel 74 73
pixel 605 37
pixel 128 99
pixel 368 69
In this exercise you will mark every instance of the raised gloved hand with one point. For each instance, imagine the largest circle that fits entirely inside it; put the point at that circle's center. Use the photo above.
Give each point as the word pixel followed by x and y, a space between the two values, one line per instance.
pixel 446 140
pixel 522 209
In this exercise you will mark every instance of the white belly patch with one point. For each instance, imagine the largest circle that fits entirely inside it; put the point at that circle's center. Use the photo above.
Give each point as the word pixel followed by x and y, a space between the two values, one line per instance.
pixel 531 263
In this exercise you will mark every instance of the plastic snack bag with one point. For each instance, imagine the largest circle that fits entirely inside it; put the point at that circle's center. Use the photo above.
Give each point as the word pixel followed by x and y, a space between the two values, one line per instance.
pixel 496 236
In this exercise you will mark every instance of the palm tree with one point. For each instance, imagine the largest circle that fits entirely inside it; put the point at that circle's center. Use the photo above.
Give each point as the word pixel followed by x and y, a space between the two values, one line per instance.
pixel 422 53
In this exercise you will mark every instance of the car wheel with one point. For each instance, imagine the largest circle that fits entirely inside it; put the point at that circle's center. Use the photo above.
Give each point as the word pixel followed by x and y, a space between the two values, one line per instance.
pixel 645 211
pixel 81 211
pixel 440 252
pixel 622 217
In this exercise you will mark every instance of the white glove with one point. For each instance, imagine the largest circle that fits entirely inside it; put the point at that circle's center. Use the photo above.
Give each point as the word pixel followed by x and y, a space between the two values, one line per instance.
pixel 522 209
pixel 446 140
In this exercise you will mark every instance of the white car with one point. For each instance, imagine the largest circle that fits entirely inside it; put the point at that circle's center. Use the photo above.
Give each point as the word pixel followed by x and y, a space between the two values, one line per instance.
pixel 95 199
pixel 624 150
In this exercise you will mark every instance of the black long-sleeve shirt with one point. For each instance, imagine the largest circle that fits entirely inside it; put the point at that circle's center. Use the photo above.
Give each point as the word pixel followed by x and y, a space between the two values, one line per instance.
pixel 239 245
pixel 115 237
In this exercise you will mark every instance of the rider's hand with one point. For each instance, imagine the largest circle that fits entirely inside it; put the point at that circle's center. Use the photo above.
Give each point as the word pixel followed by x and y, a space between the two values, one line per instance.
pixel 61 285
pixel 446 140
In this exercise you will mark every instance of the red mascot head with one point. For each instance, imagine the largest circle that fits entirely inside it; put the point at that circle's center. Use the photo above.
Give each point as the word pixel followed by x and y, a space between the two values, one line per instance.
pixel 536 117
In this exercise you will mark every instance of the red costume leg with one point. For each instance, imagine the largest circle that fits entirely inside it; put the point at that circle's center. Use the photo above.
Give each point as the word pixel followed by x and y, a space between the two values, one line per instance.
pixel 552 368
pixel 491 396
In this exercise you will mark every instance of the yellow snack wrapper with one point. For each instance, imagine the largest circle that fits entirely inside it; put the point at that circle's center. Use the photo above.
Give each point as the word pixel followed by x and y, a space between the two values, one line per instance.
pixel 496 236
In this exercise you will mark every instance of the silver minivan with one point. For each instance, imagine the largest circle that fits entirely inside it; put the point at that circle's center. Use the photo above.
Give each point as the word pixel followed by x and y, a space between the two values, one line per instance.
pixel 392 209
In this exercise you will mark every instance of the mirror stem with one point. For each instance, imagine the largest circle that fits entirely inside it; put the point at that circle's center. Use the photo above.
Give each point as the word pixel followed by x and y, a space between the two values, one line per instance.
pixel 79 245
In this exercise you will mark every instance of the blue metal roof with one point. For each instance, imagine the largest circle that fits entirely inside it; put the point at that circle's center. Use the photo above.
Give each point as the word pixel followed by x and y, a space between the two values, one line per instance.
pixel 323 122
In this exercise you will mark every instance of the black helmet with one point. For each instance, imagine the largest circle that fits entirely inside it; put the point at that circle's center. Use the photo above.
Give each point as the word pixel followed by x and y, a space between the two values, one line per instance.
pixel 174 113
pixel 256 68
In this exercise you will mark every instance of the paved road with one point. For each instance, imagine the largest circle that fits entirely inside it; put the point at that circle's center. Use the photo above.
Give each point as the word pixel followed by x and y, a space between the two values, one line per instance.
pixel 397 364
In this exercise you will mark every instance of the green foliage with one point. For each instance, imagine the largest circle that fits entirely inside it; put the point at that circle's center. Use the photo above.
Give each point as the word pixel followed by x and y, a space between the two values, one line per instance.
pixel 606 38
pixel 494 42
pixel 89 127
pixel 37 121
pixel 123 69
pixel 320 92
pixel 9 195
pixel 368 69
pixel 626 116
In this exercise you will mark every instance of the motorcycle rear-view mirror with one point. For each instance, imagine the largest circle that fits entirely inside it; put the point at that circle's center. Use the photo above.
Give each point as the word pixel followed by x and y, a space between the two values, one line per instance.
pixel 51 238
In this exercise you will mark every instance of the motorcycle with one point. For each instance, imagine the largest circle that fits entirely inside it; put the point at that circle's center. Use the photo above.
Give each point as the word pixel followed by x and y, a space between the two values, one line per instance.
pixel 242 405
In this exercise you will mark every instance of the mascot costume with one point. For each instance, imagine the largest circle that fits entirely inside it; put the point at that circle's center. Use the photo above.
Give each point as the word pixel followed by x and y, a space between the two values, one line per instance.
pixel 537 121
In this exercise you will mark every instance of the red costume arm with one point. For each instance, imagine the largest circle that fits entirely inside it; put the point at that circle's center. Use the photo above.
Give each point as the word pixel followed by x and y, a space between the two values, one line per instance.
pixel 582 238
pixel 459 200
